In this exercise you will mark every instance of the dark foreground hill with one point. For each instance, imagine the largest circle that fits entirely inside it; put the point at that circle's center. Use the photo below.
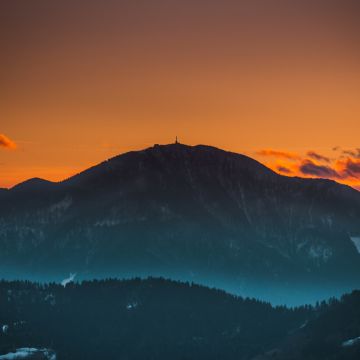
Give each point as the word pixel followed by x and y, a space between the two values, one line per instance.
pixel 156 319
pixel 193 213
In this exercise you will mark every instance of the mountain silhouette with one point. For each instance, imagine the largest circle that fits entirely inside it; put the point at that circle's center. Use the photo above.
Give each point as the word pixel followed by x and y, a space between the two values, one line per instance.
pixel 188 212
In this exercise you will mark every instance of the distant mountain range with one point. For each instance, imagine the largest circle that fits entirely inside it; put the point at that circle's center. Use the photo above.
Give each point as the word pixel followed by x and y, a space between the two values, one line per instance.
pixel 193 213
pixel 160 320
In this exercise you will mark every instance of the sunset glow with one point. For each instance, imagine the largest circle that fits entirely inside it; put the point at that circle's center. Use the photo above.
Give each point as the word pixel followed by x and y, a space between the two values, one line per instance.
pixel 343 166
pixel 277 83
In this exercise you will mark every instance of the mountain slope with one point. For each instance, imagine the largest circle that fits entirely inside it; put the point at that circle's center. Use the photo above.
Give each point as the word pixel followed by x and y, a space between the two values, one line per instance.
pixel 189 212
pixel 332 333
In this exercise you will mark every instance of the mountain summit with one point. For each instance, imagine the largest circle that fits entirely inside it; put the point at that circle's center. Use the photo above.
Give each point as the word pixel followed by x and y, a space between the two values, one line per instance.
pixel 194 213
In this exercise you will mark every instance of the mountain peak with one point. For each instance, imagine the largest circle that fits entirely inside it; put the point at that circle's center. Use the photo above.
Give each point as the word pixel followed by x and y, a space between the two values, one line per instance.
pixel 184 147
pixel 32 184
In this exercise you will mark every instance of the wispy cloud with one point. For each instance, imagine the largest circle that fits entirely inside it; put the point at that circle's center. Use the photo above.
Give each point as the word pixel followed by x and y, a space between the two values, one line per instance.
pixel 278 154
pixel 352 153
pixel 350 167
pixel 284 170
pixel 316 156
pixel 7 143
pixel 308 167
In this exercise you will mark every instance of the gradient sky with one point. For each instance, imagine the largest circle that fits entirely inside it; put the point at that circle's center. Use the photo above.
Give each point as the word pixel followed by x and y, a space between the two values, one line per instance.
pixel 83 80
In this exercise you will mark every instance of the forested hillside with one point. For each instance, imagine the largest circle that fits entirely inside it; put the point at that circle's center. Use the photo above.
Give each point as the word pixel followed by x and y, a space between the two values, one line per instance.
pixel 161 319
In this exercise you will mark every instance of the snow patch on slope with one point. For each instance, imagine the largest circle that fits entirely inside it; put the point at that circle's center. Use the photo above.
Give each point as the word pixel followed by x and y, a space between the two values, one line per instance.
pixel 320 252
pixel 30 353
pixel 351 342
pixel 356 241
pixel 63 205
pixel 132 306
pixel 68 280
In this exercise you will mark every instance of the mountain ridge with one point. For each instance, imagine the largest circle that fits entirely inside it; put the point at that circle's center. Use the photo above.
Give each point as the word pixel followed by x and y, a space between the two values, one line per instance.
pixel 173 146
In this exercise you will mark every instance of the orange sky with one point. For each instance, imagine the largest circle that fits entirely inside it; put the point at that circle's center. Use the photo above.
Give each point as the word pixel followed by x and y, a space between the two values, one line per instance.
pixel 83 80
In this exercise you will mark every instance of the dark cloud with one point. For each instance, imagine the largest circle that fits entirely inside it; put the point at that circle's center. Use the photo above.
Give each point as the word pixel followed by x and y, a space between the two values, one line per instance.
pixel 318 157
pixel 284 170
pixel 279 154
pixel 308 167
pixel 6 142
pixel 352 168
pixel 352 153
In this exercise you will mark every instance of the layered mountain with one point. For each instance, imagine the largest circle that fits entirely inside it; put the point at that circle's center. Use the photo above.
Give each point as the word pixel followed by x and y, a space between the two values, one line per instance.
pixel 193 213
